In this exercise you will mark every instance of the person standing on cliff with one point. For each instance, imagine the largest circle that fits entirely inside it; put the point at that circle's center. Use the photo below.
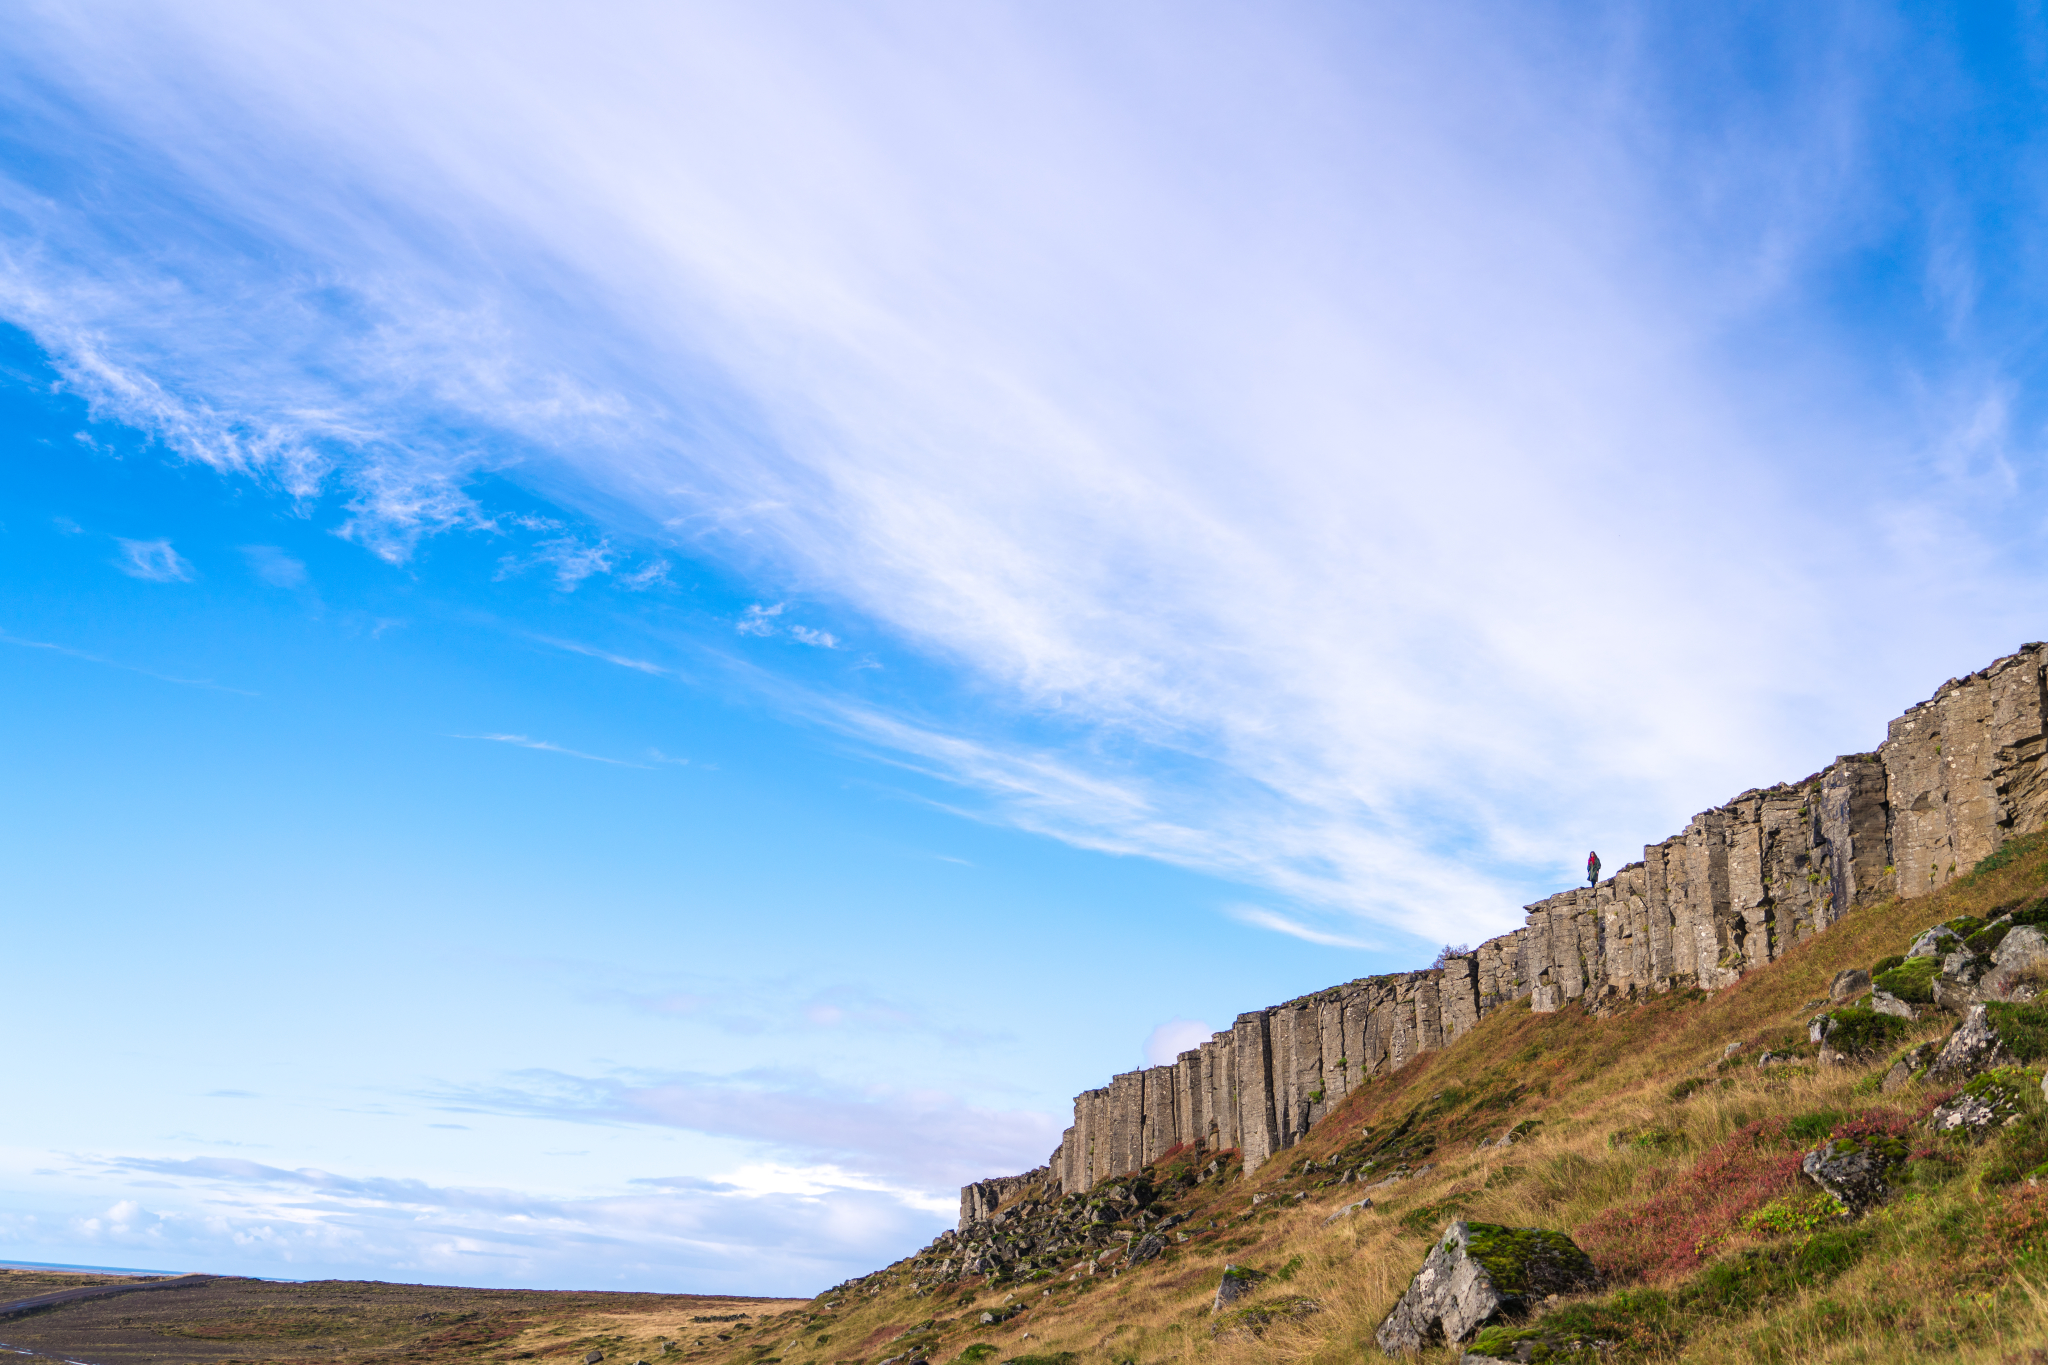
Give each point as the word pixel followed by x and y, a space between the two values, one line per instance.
pixel 1592 869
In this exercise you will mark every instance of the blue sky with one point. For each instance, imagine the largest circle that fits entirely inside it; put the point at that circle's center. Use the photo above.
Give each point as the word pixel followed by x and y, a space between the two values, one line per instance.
pixel 637 643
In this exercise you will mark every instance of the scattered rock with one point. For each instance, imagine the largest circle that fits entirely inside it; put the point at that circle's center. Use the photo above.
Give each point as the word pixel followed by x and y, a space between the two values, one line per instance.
pixel 1992 1100
pixel 1776 1059
pixel 1849 984
pixel 1975 1046
pixel 1907 1065
pixel 1348 1210
pixel 1237 1282
pixel 1730 1050
pixel 1476 1273
pixel 592 1357
pixel 1884 1002
pixel 1855 1170
pixel 1145 1249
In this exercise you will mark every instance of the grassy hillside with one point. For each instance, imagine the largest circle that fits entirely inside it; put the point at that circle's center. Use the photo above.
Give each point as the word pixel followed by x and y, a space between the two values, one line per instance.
pixel 1651 1135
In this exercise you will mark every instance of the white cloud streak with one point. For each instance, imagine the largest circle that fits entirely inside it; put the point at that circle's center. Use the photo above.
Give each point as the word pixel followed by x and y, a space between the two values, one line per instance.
pixel 527 742
pixel 153 561
pixel 1366 444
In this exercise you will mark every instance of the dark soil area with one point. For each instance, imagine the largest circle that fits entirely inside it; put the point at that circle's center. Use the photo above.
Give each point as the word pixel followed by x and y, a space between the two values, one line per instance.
pixel 344 1320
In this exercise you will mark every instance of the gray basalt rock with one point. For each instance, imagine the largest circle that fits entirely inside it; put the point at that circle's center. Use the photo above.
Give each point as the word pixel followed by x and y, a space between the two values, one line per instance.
pixel 1907 1065
pixel 2024 948
pixel 1237 1282
pixel 1855 1171
pixel 1849 984
pixel 1990 1101
pixel 1975 1046
pixel 1145 1249
pixel 1884 1002
pixel 1348 1210
pixel 1939 941
pixel 1476 1273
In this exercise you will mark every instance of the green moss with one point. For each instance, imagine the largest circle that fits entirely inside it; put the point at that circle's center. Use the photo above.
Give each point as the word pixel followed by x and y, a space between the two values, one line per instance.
pixel 1912 980
pixel 2009 852
pixel 1962 926
pixel 1519 1259
pixel 1862 1031
pixel 1986 940
pixel 1886 964
pixel 2024 1029
pixel 1813 1127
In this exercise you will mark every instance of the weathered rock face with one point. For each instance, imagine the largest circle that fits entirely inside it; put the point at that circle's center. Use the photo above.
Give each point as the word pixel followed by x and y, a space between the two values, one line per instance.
pixel 1975 1046
pixel 1476 1273
pixel 1741 884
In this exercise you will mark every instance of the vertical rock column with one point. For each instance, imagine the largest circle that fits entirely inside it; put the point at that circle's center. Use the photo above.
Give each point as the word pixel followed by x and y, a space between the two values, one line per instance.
pixel 1251 1060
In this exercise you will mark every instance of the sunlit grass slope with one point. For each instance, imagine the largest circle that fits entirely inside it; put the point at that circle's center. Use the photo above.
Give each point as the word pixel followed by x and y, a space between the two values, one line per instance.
pixel 1651 1135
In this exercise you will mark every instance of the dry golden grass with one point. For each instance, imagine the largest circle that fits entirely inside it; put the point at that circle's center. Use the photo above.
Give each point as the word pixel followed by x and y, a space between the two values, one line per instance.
pixel 1928 1286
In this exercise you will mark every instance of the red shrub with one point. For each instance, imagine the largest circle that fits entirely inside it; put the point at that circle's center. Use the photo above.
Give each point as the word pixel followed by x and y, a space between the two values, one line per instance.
pixel 2020 1222
pixel 1676 1231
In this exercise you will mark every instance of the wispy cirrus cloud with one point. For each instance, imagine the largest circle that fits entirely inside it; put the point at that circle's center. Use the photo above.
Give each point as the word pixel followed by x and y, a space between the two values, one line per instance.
pixel 791 1111
pixel 1262 918
pixel 153 561
pixel 91 658
pixel 1328 534
pixel 528 742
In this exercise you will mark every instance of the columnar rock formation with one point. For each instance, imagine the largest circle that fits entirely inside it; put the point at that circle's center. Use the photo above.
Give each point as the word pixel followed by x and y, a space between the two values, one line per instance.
pixel 1955 777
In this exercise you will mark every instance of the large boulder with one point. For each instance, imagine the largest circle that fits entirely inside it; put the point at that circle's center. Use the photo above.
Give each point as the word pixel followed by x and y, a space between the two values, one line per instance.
pixel 1856 1171
pixel 2019 951
pixel 1477 1273
pixel 1975 1046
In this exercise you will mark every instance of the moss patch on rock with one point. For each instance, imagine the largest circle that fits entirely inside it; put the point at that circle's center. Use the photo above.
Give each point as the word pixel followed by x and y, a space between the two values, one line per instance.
pixel 1522 1261
pixel 1861 1031
pixel 1912 980
pixel 2023 1028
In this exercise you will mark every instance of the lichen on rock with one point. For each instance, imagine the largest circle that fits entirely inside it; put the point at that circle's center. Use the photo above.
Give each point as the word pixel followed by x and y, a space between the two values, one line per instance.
pixel 1992 1100
pixel 1477 1273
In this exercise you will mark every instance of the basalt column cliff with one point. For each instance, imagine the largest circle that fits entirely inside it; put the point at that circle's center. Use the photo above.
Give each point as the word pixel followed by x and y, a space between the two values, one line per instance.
pixel 1954 778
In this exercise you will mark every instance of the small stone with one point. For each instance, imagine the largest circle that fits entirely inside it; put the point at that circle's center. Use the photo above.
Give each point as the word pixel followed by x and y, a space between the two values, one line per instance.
pixel 1143 1251
pixel 592 1357
pixel 1730 1051
pixel 1775 1059
pixel 988 1319
pixel 1884 1002
pixel 1347 1211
